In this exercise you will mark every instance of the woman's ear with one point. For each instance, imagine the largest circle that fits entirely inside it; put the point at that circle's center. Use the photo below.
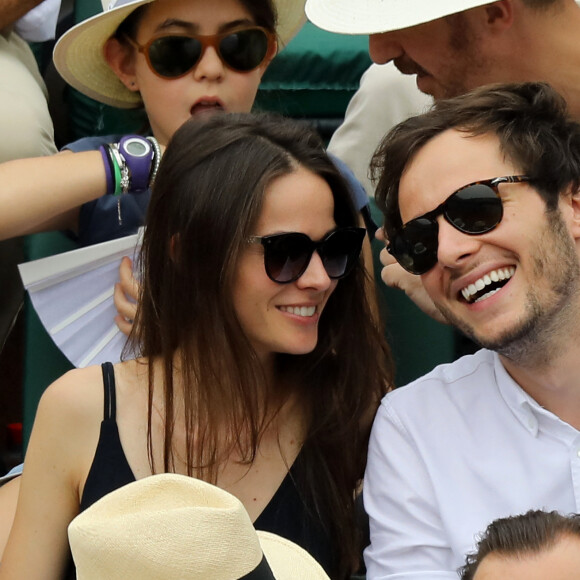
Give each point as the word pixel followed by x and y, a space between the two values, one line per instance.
pixel 121 58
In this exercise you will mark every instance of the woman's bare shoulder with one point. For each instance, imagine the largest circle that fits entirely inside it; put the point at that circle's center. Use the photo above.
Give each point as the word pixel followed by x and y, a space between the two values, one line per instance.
pixel 76 396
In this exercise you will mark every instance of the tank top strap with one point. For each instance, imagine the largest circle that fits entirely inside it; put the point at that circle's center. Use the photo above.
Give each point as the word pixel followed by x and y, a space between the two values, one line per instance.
pixel 110 411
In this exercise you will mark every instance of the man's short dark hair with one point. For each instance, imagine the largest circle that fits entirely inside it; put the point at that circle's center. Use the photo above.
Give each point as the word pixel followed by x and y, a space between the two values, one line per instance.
pixel 531 121
pixel 530 533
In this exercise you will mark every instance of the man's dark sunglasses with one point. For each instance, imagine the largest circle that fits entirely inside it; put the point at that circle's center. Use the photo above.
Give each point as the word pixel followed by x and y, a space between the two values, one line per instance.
pixel 286 256
pixel 474 209
pixel 242 50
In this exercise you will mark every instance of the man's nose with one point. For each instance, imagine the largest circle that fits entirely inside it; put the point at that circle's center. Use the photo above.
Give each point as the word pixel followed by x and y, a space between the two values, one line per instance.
pixel 454 246
pixel 384 47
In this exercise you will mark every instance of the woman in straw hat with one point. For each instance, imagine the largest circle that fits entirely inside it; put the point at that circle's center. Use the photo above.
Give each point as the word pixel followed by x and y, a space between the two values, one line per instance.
pixel 177 59
pixel 259 366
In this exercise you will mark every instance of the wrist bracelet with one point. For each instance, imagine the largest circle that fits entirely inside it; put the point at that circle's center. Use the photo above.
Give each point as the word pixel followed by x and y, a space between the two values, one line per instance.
pixel 156 160
pixel 107 162
pixel 120 170
pixel 137 153
pixel 131 164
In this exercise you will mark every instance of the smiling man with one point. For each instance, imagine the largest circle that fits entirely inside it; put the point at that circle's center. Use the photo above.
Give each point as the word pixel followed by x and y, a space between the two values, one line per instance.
pixel 481 201
pixel 453 46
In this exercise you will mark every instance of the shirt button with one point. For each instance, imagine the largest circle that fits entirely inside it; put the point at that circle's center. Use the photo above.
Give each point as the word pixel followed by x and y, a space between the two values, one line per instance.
pixel 578 452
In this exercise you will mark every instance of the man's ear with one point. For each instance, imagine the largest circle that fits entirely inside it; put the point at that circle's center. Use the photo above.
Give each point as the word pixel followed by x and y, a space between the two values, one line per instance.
pixel 499 15
pixel 121 58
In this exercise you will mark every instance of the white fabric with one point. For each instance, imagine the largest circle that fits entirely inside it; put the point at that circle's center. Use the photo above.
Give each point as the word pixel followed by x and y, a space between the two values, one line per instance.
pixel 39 24
pixel 385 97
pixel 72 294
pixel 453 451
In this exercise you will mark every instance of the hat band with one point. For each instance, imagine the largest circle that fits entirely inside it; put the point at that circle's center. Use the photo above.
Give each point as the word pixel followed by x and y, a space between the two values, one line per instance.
pixel 261 572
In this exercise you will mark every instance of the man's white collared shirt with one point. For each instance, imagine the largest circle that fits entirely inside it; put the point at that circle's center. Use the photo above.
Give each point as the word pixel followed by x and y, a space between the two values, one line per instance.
pixel 453 451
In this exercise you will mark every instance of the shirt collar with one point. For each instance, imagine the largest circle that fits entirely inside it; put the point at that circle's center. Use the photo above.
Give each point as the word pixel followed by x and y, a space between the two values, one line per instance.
pixel 526 409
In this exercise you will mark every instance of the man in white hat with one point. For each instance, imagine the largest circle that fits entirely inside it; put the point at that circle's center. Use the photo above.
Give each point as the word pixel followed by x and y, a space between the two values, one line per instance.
pixel 453 46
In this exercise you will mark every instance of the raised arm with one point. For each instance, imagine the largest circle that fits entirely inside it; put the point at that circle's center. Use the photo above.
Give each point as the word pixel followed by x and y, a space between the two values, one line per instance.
pixel 45 193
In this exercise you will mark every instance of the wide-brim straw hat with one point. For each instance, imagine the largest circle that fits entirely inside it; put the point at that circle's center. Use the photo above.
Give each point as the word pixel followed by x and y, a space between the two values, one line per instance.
pixel 376 16
pixel 174 527
pixel 79 58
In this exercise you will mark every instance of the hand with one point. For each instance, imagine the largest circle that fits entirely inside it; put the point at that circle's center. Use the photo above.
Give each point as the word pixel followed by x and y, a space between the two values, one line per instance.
pixel 125 296
pixel 395 276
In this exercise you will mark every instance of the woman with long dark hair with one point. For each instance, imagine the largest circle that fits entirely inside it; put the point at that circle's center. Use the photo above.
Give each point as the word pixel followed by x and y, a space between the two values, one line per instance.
pixel 258 367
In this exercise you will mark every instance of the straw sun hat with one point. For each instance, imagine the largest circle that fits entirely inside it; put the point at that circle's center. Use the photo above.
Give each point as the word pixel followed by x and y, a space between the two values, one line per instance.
pixel 174 527
pixel 78 55
pixel 375 16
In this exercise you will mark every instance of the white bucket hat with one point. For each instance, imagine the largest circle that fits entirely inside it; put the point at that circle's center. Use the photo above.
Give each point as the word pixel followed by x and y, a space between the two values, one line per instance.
pixel 79 58
pixel 375 16
pixel 174 527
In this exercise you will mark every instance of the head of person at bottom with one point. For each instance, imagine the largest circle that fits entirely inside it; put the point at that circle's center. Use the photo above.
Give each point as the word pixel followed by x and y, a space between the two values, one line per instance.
pixel 254 291
pixel 480 197
pixel 532 546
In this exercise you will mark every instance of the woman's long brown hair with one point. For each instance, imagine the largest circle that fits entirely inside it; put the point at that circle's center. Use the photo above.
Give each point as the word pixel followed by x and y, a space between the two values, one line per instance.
pixel 207 197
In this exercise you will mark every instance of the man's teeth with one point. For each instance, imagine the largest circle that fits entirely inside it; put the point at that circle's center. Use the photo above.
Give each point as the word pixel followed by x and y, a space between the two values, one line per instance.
pixel 299 310
pixel 500 275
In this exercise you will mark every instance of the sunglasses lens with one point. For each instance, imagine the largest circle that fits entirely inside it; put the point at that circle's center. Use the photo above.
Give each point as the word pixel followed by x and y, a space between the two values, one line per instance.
pixel 173 56
pixel 287 256
pixel 475 209
pixel 415 246
pixel 244 50
pixel 340 251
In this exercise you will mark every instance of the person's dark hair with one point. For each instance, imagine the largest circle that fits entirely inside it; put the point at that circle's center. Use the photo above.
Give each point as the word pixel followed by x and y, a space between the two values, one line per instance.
pixel 532 124
pixel 529 533
pixel 205 203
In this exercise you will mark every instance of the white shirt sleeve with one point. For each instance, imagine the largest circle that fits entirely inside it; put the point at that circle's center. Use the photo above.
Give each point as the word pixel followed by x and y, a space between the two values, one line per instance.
pixel 407 536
